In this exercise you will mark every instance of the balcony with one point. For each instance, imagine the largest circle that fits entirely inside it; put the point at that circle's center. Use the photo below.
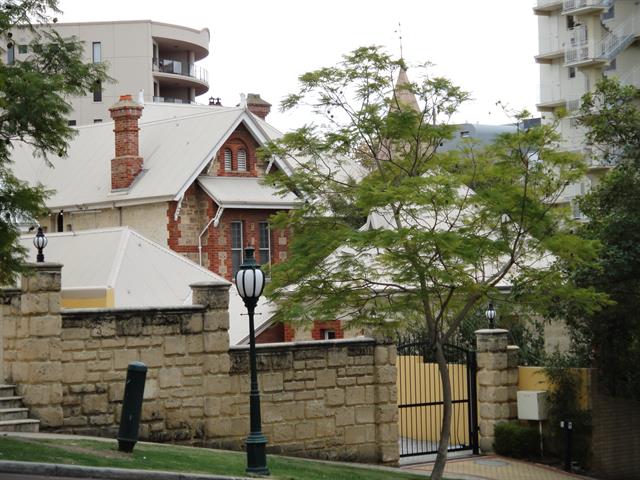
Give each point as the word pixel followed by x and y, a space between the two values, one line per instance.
pixel 582 52
pixel 585 7
pixel 173 100
pixel 551 97
pixel 182 74
pixel 547 7
pixel 550 50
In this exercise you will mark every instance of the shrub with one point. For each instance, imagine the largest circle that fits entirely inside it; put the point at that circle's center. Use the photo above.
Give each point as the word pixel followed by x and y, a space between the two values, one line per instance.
pixel 516 440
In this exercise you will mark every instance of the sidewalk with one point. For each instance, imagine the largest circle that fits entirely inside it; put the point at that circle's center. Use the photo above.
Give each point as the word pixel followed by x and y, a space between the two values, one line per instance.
pixel 494 467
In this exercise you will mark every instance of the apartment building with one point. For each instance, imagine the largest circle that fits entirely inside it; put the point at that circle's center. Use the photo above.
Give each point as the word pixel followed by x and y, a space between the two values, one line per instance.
pixel 150 59
pixel 580 41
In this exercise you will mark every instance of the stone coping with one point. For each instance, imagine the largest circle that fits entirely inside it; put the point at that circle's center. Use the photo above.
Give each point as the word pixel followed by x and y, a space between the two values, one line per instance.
pixel 306 344
pixel 125 311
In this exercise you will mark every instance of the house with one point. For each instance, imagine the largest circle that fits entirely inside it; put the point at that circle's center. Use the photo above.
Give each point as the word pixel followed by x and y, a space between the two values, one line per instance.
pixel 157 59
pixel 186 177
pixel 116 267
pixel 579 43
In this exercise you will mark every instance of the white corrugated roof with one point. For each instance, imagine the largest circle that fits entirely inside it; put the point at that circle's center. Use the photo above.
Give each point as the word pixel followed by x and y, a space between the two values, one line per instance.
pixel 140 272
pixel 176 144
pixel 245 192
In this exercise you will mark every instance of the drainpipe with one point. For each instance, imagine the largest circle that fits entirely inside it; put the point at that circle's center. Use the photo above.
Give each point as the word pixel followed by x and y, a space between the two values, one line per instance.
pixel 216 221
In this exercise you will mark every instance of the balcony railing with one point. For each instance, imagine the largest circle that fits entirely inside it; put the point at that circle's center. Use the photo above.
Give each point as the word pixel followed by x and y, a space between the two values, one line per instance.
pixel 181 68
pixel 572 5
pixel 172 100
pixel 580 49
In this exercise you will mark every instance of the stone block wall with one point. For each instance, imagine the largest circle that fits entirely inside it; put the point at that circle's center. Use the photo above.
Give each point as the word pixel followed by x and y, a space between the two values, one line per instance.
pixel 330 399
pixel 32 327
pixel 333 399
pixel 497 383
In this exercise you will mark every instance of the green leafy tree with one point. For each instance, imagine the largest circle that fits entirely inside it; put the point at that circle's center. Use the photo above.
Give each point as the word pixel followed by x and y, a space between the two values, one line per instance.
pixel 611 338
pixel 394 233
pixel 33 109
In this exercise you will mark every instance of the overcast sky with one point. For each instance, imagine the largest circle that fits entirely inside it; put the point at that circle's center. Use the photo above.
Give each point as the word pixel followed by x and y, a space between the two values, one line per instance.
pixel 262 46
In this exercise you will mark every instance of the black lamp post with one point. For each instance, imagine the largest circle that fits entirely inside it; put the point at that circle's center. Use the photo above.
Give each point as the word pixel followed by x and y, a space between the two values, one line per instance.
pixel 490 313
pixel 250 283
pixel 40 241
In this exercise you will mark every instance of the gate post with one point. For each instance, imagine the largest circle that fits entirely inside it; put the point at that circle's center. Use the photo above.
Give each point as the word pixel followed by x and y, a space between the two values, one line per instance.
pixel 497 382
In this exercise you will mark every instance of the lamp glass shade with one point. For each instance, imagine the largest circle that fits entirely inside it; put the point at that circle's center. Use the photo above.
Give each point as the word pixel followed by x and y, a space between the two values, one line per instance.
pixel 40 241
pixel 250 282
pixel 490 313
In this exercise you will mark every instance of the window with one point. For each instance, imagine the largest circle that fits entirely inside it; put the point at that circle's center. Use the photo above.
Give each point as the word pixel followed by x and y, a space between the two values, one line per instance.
pixel 609 14
pixel 97 52
pixel 227 160
pixel 572 72
pixel 465 134
pixel 570 22
pixel 71 123
pixel 23 49
pixel 97 120
pixel 11 54
pixel 236 247
pixel 60 222
pixel 264 250
pixel 242 160
pixel 328 334
pixel 97 91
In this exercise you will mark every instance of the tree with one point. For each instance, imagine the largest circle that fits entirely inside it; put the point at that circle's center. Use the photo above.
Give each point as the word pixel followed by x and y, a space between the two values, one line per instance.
pixel 33 110
pixel 394 233
pixel 611 338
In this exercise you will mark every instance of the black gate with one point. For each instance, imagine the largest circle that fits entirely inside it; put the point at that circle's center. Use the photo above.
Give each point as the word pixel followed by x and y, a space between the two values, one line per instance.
pixel 420 399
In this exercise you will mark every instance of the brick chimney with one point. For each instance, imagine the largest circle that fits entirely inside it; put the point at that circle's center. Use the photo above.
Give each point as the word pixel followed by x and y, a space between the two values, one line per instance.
pixel 127 163
pixel 258 106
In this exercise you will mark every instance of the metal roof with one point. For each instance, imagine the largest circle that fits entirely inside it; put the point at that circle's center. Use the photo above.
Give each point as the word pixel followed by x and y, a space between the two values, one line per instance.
pixel 176 144
pixel 140 272
pixel 245 192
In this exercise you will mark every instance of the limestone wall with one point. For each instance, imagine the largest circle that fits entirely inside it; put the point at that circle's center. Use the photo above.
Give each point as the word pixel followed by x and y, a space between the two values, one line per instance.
pixel 330 399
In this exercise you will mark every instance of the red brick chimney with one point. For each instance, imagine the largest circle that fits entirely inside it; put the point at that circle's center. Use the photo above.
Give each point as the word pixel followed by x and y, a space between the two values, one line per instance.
pixel 258 106
pixel 127 163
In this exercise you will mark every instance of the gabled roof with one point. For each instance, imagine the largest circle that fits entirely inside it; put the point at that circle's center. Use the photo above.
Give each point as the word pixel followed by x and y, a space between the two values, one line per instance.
pixel 245 192
pixel 176 144
pixel 140 272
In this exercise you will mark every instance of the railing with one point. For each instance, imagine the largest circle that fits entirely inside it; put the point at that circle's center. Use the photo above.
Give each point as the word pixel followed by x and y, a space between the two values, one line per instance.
pixel 181 68
pixel 570 5
pixel 580 49
pixel 617 40
pixel 172 100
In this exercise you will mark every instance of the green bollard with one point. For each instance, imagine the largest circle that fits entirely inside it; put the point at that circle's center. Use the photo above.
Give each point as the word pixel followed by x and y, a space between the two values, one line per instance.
pixel 131 406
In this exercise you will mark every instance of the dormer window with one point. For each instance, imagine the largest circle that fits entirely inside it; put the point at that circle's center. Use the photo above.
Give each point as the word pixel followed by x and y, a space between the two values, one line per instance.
pixel 242 160
pixel 227 160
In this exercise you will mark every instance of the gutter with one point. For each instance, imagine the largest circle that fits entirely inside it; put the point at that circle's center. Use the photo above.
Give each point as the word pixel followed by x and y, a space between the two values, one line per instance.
pixel 216 221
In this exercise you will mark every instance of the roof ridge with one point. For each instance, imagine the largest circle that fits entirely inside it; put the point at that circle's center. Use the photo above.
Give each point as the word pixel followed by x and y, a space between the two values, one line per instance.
pixel 193 115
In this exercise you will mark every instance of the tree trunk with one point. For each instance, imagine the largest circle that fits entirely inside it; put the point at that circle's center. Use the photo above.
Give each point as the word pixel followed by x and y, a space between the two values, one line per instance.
pixel 445 432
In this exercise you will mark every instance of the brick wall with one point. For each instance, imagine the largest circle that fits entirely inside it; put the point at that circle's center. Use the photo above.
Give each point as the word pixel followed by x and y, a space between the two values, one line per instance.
pixel 615 443
pixel 240 139
pixel 330 399
pixel 195 212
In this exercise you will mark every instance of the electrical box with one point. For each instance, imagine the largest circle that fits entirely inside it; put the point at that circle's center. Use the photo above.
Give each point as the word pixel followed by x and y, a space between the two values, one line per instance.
pixel 532 405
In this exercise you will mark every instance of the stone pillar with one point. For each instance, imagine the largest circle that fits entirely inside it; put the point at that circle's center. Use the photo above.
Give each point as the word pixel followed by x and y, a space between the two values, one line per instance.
pixel 497 383
pixel 37 369
pixel 216 363
pixel 386 413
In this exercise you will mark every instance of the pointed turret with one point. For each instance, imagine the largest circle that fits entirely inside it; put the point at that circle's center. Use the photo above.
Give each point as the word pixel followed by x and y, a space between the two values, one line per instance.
pixel 402 97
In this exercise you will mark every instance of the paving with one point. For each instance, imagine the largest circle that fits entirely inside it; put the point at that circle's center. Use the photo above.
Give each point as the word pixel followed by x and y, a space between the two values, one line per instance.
pixel 494 467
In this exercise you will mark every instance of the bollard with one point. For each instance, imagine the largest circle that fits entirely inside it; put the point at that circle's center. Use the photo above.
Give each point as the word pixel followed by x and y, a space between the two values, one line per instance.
pixel 131 406
pixel 568 428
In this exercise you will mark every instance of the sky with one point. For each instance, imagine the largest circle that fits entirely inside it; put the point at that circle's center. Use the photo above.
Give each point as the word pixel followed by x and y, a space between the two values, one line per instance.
pixel 484 46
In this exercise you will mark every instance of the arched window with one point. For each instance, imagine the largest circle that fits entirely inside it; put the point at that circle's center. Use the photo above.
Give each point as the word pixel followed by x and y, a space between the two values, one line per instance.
pixel 242 160
pixel 227 160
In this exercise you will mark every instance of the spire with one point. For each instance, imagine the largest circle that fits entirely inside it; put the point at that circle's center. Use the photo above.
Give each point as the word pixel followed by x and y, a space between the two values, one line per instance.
pixel 402 96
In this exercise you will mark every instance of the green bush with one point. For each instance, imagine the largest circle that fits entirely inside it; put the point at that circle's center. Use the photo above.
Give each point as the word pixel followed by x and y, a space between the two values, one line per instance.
pixel 516 440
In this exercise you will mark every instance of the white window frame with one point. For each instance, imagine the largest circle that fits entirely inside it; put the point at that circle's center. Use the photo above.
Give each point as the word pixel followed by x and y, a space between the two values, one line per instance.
pixel 242 160
pixel 228 160
pixel 233 249
pixel 96 52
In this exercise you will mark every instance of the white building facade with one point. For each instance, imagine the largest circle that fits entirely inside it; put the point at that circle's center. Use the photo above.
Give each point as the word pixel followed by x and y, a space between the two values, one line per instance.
pixel 152 59
pixel 580 41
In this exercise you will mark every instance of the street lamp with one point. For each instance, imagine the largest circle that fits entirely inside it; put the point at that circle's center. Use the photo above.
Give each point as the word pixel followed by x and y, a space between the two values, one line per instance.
pixel 490 313
pixel 40 241
pixel 250 283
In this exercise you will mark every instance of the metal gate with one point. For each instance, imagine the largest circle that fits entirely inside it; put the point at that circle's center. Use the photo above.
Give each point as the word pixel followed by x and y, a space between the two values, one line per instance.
pixel 420 399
